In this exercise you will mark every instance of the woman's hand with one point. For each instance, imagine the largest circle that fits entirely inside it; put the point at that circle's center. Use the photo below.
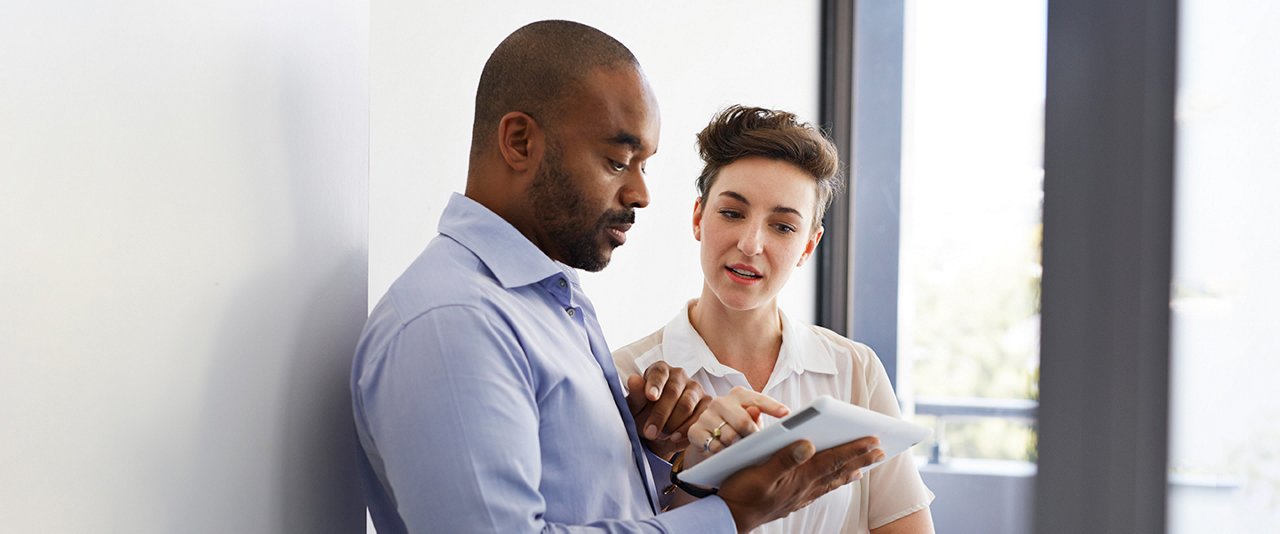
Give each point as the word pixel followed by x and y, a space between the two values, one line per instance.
pixel 728 419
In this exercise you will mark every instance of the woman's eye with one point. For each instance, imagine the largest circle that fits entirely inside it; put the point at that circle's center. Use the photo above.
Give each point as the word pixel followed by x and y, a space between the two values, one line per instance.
pixel 730 214
pixel 785 228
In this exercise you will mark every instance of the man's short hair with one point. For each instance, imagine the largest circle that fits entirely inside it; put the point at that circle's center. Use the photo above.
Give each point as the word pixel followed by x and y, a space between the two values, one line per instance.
pixel 535 69
pixel 739 132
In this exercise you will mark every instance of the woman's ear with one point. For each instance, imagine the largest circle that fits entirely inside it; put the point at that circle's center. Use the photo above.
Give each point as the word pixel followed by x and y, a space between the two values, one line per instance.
pixel 697 219
pixel 810 246
pixel 521 141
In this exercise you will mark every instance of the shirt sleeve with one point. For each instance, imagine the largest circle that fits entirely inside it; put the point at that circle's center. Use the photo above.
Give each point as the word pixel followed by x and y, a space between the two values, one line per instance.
pixel 895 488
pixel 422 397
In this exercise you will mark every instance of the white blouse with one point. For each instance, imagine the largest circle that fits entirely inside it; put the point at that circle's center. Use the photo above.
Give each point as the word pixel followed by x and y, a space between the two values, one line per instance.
pixel 813 361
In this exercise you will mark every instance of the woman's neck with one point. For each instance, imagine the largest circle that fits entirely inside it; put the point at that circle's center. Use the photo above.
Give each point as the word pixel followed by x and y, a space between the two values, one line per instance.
pixel 746 340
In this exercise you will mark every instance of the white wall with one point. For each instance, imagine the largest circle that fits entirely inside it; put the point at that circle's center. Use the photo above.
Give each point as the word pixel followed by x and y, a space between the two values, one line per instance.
pixel 183 213
pixel 700 57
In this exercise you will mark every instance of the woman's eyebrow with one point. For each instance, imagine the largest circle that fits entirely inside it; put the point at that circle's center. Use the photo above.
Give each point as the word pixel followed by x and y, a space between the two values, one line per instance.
pixel 734 195
pixel 776 209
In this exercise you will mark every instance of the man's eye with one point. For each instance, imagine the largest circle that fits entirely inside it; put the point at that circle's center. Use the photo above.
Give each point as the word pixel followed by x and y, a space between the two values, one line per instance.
pixel 617 167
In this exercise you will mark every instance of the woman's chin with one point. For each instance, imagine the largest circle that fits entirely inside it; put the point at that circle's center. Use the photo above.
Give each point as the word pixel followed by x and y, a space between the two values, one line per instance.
pixel 736 301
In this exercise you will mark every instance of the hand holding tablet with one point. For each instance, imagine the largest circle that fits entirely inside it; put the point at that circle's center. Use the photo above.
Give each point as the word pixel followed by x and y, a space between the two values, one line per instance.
pixel 826 422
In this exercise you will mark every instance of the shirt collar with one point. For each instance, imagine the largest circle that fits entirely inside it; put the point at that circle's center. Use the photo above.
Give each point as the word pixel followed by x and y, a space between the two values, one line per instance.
pixel 682 347
pixel 802 350
pixel 513 259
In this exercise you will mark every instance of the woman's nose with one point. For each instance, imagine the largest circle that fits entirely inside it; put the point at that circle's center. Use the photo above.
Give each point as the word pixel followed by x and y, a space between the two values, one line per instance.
pixel 749 242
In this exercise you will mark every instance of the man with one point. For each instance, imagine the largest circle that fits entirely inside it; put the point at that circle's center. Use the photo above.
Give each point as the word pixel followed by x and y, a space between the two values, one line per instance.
pixel 485 397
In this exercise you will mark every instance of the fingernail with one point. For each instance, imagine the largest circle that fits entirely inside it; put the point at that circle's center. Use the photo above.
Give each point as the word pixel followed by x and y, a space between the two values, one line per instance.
pixel 676 436
pixel 803 452
pixel 653 393
pixel 651 432
pixel 857 475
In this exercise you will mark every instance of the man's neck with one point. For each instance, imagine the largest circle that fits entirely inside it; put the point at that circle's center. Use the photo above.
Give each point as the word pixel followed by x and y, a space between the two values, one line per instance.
pixel 514 209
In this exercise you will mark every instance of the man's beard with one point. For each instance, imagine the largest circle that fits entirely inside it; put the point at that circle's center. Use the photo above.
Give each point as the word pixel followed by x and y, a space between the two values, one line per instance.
pixel 563 212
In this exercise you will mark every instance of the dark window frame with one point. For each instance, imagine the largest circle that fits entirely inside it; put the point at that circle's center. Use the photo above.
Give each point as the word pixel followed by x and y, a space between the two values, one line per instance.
pixel 862 92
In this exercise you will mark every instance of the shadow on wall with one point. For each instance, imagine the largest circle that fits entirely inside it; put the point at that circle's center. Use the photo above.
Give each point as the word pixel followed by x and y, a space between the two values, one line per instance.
pixel 275 450
pixel 276 439
pixel 318 464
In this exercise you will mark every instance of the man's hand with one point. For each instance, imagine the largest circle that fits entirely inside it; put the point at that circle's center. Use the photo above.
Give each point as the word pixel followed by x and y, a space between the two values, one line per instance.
pixel 664 403
pixel 792 478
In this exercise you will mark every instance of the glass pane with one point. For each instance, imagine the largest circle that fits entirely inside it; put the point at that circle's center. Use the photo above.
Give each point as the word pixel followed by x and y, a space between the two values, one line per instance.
pixel 972 152
pixel 1224 463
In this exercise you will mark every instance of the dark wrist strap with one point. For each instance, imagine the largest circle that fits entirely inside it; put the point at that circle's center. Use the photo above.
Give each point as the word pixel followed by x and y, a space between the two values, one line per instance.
pixel 677 465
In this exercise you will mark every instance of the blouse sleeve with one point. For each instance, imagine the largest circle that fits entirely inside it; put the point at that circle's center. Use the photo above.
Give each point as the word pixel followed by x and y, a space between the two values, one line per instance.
pixel 895 489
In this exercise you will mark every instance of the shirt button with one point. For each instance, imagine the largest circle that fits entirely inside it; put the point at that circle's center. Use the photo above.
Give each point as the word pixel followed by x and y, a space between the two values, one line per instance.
pixel 569 311
pixel 563 283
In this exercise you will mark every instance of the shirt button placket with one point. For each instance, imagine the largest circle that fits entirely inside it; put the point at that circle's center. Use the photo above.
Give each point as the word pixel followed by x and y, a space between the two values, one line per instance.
pixel 564 284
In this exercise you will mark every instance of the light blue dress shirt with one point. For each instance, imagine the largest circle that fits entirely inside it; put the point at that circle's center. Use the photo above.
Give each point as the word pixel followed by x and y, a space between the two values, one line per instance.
pixel 486 399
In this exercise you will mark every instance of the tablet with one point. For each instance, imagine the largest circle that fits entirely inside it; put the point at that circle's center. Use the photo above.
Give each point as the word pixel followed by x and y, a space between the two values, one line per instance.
pixel 826 422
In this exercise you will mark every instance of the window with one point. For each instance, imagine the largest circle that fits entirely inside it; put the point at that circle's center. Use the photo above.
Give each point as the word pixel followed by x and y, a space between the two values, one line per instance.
pixel 969 274
pixel 946 137
pixel 1224 455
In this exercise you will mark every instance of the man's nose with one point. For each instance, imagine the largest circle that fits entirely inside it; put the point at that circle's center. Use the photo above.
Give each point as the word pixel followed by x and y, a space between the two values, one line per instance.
pixel 635 193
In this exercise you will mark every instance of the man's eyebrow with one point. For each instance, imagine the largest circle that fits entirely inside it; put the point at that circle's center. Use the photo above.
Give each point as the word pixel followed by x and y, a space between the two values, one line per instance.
pixel 776 209
pixel 625 138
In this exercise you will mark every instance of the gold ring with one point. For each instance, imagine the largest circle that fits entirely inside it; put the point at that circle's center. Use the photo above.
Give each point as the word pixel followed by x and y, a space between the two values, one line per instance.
pixel 715 433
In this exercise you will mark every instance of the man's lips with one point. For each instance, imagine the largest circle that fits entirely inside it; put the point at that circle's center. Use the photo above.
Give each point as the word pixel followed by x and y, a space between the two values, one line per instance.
pixel 618 233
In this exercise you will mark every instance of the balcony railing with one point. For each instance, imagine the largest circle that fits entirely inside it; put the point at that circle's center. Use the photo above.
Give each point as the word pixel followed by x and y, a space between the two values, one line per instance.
pixel 953 409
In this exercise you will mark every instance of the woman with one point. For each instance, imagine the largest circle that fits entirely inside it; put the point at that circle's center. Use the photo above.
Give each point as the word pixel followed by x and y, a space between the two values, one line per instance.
pixel 766 183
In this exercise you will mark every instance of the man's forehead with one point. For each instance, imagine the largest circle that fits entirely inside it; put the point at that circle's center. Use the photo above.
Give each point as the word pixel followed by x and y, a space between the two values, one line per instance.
pixel 618 106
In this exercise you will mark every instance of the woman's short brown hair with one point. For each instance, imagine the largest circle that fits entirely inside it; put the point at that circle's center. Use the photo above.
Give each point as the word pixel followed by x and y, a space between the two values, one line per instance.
pixel 738 132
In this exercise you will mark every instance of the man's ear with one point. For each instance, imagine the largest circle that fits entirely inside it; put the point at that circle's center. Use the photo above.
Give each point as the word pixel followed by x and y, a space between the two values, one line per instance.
pixel 697 219
pixel 521 141
pixel 811 246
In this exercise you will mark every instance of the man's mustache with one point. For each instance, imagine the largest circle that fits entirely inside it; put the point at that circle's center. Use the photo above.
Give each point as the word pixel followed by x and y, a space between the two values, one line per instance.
pixel 618 217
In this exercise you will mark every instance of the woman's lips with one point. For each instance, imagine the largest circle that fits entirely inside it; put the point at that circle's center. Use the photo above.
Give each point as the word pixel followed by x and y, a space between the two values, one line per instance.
pixel 743 274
